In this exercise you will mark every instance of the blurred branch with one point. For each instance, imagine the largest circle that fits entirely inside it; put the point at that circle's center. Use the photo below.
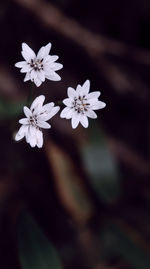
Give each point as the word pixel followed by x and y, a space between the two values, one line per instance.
pixel 129 157
pixel 69 184
pixel 97 47
pixel 77 203
pixel 9 86
pixel 93 43
pixel 135 235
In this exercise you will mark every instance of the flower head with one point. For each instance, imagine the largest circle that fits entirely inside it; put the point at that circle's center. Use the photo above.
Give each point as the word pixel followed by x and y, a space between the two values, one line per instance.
pixel 35 120
pixel 39 67
pixel 80 105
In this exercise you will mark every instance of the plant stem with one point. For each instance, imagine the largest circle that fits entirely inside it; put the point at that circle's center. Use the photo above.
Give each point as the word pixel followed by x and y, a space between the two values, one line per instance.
pixel 59 102
pixel 29 98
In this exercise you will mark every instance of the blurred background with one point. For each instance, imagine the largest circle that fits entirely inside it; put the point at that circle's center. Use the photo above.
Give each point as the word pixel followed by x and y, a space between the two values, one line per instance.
pixel 83 200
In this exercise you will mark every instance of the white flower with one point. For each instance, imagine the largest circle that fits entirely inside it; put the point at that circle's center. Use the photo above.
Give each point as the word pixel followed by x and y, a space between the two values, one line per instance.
pixel 35 120
pixel 39 67
pixel 80 105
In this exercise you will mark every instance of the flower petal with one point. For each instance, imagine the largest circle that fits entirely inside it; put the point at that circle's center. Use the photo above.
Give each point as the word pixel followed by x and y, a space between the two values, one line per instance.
pixel 31 130
pixel 91 114
pixel 86 87
pixel 84 121
pixel 64 112
pixel 27 77
pixel 21 133
pixel 70 114
pixel 41 75
pixel 71 92
pixel 27 52
pixel 39 137
pixel 53 58
pixel 47 48
pixel 37 82
pixel 32 141
pixel 78 89
pixel 47 60
pixel 26 68
pixel 75 120
pixel 24 121
pixel 93 95
pixel 33 75
pixel 27 135
pixel 49 113
pixel 68 102
pixel 27 112
pixel 21 64
pixel 53 76
pixel 43 124
pixel 54 111
pixel 56 66
pixel 47 108
pixel 44 116
pixel 41 53
pixel 38 101
pixel 98 105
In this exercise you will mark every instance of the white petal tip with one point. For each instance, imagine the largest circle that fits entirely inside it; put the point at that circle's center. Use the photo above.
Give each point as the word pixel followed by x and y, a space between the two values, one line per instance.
pixel 32 146
pixel 87 82
pixel 62 116
pixel 49 44
pixel 17 137
pixel 61 66
pixel 103 105
pixel 24 45
pixel 40 146
pixel 58 108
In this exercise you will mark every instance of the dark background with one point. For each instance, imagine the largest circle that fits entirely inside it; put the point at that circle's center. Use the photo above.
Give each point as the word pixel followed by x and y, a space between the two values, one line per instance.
pixel 87 189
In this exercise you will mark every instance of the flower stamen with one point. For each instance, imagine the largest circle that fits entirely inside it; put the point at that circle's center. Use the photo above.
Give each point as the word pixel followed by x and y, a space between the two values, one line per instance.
pixel 80 105
pixel 37 65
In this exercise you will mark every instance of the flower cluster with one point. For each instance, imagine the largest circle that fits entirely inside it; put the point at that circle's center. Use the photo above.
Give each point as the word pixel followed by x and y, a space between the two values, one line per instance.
pixel 40 67
pixel 35 120
pixel 80 104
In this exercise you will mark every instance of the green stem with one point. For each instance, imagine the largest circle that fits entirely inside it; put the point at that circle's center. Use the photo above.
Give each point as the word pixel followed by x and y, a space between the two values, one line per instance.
pixel 59 102
pixel 30 95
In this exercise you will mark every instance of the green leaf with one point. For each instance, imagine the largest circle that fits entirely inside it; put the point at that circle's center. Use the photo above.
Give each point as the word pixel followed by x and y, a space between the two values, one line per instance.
pixel 101 166
pixel 9 110
pixel 118 242
pixel 35 250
